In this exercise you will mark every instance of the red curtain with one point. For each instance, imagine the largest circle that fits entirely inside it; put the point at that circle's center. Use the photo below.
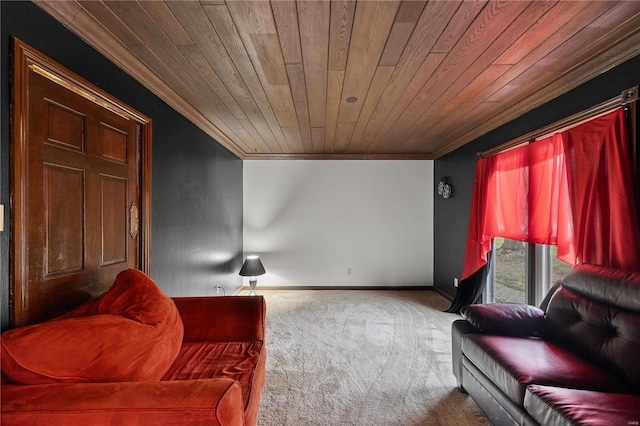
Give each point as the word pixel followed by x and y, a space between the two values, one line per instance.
pixel 573 190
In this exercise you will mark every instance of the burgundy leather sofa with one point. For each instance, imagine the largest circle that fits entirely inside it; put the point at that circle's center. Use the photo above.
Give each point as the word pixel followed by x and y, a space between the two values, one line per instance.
pixel 574 360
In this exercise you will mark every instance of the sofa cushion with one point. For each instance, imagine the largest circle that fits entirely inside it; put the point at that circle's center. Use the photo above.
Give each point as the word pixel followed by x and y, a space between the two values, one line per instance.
pixel 559 406
pixel 133 332
pixel 508 319
pixel 512 363
pixel 596 313
pixel 241 361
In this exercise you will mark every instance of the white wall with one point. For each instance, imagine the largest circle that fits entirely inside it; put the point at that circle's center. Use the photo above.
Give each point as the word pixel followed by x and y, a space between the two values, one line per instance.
pixel 310 221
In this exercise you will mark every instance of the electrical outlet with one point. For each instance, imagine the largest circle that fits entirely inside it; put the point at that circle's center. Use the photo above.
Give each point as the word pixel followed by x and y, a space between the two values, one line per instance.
pixel 218 288
pixel 348 271
pixel 455 282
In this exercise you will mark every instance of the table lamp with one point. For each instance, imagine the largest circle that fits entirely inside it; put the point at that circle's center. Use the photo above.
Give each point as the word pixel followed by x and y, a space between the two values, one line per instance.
pixel 251 268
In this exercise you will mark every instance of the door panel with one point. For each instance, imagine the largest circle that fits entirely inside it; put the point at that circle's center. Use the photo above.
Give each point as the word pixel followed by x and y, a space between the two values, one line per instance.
pixel 64 127
pixel 114 143
pixel 114 220
pixel 64 226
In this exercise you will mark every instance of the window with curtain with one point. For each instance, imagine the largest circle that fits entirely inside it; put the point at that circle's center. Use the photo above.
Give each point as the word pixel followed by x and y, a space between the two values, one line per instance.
pixel 573 190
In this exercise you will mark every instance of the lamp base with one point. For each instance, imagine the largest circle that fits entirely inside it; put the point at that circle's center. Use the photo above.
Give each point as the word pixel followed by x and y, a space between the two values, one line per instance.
pixel 252 284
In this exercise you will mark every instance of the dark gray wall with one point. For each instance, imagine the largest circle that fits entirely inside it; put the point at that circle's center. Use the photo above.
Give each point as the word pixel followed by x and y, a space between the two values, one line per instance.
pixel 197 184
pixel 451 216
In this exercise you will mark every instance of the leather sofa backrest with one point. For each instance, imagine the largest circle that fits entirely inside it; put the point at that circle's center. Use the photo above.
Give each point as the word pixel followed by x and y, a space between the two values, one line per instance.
pixel 595 313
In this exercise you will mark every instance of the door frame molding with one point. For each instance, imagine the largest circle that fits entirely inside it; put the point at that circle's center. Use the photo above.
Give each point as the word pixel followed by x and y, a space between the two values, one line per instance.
pixel 26 58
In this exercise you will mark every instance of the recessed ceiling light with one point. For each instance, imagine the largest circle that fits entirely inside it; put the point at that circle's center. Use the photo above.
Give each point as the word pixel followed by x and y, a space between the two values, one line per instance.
pixel 352 99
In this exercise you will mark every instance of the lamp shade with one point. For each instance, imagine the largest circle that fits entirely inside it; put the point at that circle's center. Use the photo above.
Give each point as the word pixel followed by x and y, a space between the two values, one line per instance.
pixel 252 267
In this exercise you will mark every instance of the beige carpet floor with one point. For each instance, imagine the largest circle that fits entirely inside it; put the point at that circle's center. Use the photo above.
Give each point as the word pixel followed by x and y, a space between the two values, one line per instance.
pixel 361 357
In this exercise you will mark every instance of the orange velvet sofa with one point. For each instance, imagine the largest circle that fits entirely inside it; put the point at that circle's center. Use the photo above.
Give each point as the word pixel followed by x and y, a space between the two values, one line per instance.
pixel 136 356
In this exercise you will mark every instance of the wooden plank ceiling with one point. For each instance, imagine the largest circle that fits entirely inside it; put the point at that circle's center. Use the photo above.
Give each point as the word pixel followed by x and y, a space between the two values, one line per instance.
pixel 355 79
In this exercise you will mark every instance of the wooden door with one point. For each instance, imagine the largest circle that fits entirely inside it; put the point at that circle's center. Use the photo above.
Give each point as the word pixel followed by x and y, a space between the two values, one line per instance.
pixel 80 196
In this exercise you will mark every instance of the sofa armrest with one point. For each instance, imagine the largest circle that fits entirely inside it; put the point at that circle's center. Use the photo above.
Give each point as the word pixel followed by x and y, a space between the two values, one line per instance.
pixel 222 319
pixel 210 401
pixel 508 319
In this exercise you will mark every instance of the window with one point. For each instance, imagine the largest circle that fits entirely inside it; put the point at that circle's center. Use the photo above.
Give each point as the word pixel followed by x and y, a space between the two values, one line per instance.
pixel 522 272
pixel 558 268
pixel 509 271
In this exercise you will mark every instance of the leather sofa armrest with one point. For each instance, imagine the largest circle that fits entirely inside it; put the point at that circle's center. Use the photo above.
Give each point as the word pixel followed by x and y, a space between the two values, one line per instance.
pixel 507 319
pixel 210 401
pixel 222 319
pixel 458 329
